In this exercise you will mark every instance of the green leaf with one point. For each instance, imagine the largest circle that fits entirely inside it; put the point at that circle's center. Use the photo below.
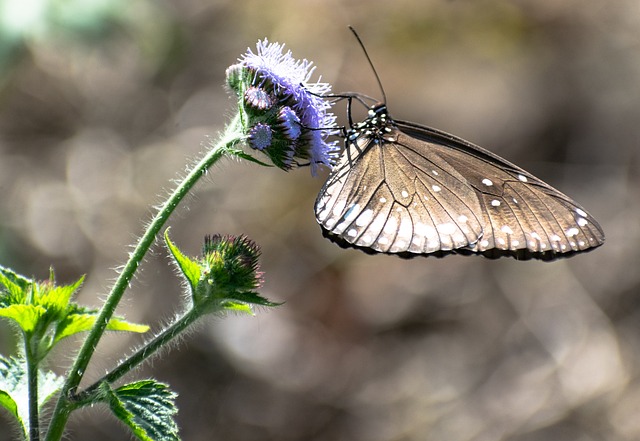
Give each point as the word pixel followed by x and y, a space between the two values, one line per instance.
pixel 15 289
pixel 116 324
pixel 252 298
pixel 189 268
pixel 147 407
pixel 58 297
pixel 7 274
pixel 27 316
pixel 75 323
pixel 237 307
pixel 248 157
pixel 14 389
pixel 8 403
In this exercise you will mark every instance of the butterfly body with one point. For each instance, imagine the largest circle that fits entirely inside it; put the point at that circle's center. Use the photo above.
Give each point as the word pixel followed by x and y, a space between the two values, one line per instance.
pixel 405 189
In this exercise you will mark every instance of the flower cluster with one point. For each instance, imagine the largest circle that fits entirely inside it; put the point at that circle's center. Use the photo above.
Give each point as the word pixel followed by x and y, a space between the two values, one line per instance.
pixel 226 277
pixel 283 114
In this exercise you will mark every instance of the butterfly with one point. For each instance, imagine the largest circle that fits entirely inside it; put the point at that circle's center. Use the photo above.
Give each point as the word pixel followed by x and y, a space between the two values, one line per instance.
pixel 405 189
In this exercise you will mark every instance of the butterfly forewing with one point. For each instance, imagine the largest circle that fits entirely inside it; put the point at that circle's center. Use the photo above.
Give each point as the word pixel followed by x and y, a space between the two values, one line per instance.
pixel 520 211
pixel 405 189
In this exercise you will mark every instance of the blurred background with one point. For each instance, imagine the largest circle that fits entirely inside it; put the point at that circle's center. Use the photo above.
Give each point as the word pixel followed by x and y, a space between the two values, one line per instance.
pixel 104 102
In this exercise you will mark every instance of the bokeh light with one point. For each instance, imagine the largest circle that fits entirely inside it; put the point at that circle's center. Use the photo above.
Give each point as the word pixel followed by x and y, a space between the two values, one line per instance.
pixel 102 108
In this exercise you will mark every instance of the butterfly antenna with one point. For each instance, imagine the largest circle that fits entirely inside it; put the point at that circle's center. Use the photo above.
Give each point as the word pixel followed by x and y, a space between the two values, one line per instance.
pixel 366 54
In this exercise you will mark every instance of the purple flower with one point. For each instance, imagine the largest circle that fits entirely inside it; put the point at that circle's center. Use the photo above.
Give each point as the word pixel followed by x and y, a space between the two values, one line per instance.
pixel 289 123
pixel 300 118
pixel 258 98
pixel 260 136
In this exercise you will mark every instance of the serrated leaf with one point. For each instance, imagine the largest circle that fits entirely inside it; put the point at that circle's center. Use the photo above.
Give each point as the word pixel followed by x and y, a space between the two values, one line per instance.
pixel 189 268
pixel 13 292
pixel 15 278
pixel 27 316
pixel 59 297
pixel 14 389
pixel 147 407
pixel 75 323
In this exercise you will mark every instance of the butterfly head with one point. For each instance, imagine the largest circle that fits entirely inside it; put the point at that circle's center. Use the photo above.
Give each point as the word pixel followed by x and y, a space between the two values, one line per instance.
pixel 378 109
pixel 377 127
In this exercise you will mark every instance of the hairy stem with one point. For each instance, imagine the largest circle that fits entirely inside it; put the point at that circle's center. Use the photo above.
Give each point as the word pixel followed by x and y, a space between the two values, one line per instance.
pixel 149 348
pixel 64 406
pixel 32 384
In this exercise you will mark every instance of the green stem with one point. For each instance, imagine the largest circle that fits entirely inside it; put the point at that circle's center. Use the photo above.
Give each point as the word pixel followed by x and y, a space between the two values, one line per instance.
pixel 150 348
pixel 32 384
pixel 64 406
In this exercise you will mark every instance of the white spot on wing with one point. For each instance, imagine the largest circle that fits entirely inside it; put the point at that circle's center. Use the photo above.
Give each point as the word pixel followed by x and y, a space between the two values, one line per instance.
pixel 573 231
pixel 582 221
pixel 425 230
pixel 405 194
pixel 391 226
pixel 506 229
pixel 581 212
pixel 405 230
pixel 436 188
pixel 364 218
pixel 487 182
pixel 339 208
pixel 398 245
pixel 447 228
pixel 522 178
pixel 352 232
pixel 352 212
pixel 495 203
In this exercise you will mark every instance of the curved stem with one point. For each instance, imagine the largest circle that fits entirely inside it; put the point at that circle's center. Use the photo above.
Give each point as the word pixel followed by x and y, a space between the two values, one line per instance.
pixel 64 406
pixel 149 348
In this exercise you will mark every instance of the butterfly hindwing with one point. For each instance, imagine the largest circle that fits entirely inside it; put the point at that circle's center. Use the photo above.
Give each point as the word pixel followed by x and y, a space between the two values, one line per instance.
pixel 406 189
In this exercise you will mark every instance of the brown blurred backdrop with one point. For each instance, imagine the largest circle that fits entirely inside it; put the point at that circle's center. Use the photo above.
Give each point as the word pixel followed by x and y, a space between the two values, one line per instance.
pixel 104 103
